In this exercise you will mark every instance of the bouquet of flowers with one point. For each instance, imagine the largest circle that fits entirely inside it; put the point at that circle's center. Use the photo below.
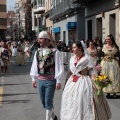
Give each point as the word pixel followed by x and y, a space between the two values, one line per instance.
pixel 102 81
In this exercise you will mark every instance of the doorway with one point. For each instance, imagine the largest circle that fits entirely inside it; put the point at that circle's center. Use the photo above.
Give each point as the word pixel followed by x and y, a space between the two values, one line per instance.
pixel 89 27
pixel 99 27
pixel 112 19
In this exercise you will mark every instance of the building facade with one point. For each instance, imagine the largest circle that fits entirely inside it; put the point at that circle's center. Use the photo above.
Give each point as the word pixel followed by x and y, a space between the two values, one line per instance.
pixel 101 18
pixel 28 21
pixel 66 16
pixel 20 18
pixel 38 9
pixel 3 19
pixel 10 33
pixel 47 23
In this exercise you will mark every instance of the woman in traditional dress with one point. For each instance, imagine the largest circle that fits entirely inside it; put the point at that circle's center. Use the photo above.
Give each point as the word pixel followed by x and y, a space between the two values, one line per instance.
pixel 110 65
pixel 19 60
pixel 93 52
pixel 79 99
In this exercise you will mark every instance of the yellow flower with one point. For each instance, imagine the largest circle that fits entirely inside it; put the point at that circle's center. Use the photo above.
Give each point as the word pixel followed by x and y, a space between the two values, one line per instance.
pixel 104 77
pixel 96 78
pixel 100 77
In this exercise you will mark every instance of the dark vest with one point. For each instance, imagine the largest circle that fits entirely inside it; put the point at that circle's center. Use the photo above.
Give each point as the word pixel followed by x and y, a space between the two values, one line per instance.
pixel 46 63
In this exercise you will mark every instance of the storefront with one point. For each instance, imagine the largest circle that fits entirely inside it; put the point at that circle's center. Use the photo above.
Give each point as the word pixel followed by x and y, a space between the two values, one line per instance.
pixel 56 32
pixel 71 27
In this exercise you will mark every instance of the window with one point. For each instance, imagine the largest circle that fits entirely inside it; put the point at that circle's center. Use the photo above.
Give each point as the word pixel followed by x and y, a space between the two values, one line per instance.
pixel 35 2
pixel 17 5
pixel 41 3
pixel 2 8
pixel 112 24
pixel 3 21
pixel 99 30
pixel 89 27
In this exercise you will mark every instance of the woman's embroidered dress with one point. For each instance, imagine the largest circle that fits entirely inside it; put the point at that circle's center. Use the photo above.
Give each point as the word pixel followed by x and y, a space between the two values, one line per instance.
pixel 93 54
pixel 19 59
pixel 110 67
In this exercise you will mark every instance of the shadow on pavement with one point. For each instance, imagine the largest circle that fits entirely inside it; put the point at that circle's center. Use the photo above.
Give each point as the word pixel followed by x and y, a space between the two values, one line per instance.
pixel 17 94
pixel 112 97
pixel 15 84
pixel 15 101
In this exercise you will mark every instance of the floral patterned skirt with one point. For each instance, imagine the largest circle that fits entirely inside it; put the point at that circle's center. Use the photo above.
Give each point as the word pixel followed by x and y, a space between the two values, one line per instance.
pixel 112 70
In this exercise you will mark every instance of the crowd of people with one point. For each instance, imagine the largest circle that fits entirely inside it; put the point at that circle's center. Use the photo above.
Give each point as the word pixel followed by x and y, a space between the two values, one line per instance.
pixel 89 58
pixel 14 49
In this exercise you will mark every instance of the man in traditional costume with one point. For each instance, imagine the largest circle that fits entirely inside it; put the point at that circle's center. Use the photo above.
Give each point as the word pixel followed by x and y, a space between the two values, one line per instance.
pixel 46 70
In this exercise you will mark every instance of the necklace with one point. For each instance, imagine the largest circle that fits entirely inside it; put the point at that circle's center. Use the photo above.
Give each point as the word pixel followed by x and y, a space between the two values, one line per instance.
pixel 78 58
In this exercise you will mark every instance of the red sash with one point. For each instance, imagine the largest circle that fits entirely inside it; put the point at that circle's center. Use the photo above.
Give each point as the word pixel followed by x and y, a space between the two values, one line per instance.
pixel 75 78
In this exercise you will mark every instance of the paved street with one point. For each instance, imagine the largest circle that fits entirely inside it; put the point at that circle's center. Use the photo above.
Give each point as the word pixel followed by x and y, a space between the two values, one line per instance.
pixel 20 101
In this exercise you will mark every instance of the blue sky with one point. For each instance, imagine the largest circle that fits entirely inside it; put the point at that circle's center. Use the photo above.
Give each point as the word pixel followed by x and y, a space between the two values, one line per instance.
pixel 10 4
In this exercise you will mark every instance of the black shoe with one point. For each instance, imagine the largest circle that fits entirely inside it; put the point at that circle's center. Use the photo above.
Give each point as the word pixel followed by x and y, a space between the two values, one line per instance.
pixel 55 118
pixel 114 95
pixel 108 95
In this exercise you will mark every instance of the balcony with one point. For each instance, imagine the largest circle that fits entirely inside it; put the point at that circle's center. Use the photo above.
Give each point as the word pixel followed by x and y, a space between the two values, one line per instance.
pixel 40 9
pixel 62 9
pixel 81 1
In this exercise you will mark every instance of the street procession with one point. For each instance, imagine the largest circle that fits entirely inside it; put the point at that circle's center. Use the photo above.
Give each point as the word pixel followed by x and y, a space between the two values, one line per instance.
pixel 59 60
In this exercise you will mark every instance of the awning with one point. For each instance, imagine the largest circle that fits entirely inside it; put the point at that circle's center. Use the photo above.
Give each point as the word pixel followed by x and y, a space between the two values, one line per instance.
pixel 56 29
pixel 71 25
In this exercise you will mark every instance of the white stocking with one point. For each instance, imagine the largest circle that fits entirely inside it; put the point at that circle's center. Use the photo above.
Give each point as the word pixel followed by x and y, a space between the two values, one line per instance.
pixel 48 114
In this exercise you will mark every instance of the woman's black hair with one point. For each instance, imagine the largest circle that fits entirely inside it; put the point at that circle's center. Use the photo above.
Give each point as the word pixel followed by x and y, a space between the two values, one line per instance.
pixel 92 42
pixel 113 41
pixel 79 45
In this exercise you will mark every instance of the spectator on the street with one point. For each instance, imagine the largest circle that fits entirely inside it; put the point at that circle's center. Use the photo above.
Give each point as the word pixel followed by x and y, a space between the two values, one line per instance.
pixel 96 41
pixel 93 52
pixel 34 47
pixel 19 59
pixel 4 55
pixel 46 69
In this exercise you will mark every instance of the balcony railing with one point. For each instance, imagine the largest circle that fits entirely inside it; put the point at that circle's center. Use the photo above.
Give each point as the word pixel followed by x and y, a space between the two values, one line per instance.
pixel 41 5
pixel 65 7
pixel 81 1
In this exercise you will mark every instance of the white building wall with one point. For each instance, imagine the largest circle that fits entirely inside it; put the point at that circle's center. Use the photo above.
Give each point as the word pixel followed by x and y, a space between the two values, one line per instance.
pixel 106 24
pixel 62 25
